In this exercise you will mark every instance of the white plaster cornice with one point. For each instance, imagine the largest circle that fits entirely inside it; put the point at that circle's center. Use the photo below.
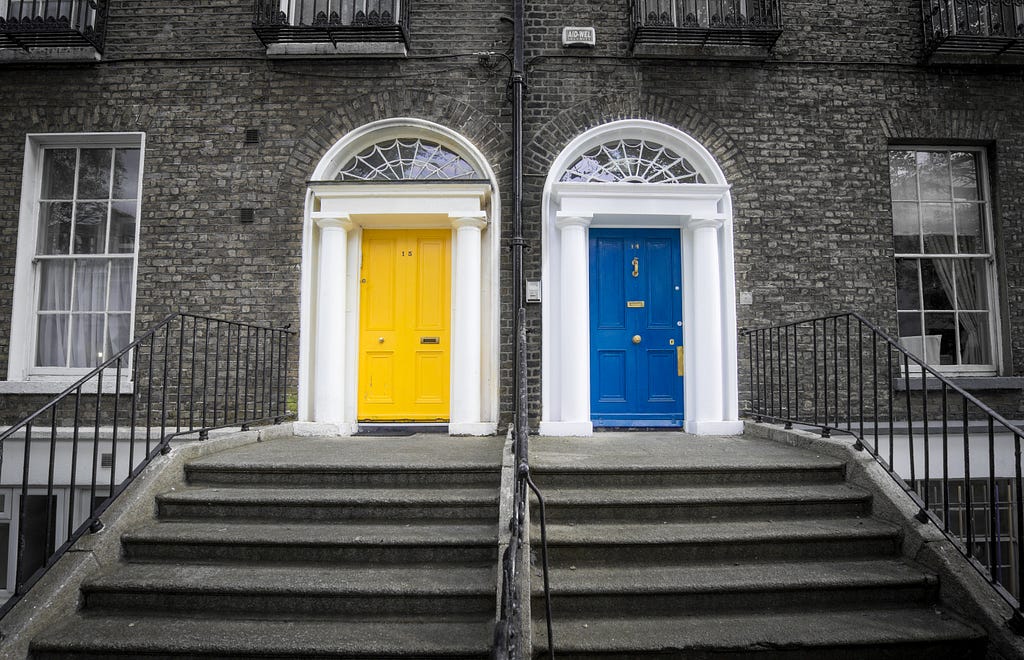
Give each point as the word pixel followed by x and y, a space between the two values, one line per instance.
pixel 705 223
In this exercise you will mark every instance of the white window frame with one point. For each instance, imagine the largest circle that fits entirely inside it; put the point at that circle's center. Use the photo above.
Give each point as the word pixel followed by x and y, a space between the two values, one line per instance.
pixel 21 362
pixel 991 263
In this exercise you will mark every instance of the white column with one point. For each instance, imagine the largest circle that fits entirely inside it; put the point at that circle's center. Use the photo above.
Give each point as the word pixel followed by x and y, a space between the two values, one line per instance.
pixel 329 358
pixel 465 414
pixel 574 339
pixel 704 371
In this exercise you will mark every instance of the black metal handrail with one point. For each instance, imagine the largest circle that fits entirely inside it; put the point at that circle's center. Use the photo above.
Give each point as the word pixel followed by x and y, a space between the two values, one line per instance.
pixel 508 639
pixel 841 373
pixel 28 24
pixel 333 21
pixel 188 374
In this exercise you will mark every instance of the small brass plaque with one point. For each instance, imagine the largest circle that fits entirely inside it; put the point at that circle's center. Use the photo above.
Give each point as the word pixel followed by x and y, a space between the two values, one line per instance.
pixel 634 303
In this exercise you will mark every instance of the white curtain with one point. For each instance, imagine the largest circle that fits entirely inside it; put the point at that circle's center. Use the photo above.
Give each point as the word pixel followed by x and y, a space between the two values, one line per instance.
pixel 52 342
pixel 960 274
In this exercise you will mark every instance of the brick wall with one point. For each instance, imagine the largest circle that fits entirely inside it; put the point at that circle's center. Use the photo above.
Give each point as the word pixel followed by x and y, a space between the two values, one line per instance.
pixel 802 138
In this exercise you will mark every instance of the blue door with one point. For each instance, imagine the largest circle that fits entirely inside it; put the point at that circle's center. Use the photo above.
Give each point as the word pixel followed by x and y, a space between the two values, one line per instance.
pixel 636 332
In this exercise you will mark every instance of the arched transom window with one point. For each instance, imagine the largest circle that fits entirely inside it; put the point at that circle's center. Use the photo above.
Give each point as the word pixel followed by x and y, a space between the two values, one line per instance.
pixel 632 161
pixel 405 159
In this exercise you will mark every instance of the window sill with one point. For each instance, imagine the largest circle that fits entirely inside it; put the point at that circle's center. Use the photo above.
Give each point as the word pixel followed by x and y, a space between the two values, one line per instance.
pixel 54 54
pixel 343 49
pixel 969 383
pixel 56 386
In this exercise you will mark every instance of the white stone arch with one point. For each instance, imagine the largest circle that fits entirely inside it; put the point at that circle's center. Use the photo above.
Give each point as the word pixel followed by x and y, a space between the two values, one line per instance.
pixel 335 214
pixel 703 214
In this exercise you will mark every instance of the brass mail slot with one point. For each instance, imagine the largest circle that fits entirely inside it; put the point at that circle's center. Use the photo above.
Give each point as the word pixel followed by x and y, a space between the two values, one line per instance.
pixel 634 303
pixel 430 340
pixel 680 360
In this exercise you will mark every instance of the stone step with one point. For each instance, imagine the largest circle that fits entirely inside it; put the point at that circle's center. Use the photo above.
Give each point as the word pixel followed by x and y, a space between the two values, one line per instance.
pixel 811 471
pixel 888 633
pixel 590 591
pixel 93 638
pixel 668 543
pixel 680 504
pixel 330 504
pixel 340 476
pixel 458 591
pixel 315 542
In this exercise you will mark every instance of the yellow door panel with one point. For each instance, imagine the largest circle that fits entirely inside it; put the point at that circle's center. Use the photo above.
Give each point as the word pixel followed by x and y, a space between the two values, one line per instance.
pixel 404 322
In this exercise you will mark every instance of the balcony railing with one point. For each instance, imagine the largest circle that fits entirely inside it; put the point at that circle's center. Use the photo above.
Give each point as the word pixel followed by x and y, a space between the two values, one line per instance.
pixel 29 24
pixel 980 27
pixel 331 21
pixel 753 23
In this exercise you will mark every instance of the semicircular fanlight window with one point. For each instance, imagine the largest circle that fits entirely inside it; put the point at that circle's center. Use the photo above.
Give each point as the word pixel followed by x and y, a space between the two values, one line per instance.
pixel 405 159
pixel 632 161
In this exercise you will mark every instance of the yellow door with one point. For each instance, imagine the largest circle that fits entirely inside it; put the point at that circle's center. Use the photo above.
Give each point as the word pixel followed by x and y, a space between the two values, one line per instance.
pixel 404 325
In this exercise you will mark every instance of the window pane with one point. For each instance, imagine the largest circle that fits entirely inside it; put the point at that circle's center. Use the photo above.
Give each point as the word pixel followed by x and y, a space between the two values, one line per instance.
pixel 94 174
pixel 933 170
pixel 970 236
pixel 965 175
pixel 972 285
pixel 5 541
pixel 118 332
pixel 910 324
pixel 122 228
pixel 943 326
pixel 906 228
pixel 937 283
pixel 55 284
pixel 52 341
pixel 58 174
pixel 90 285
pixel 126 173
pixel 90 227
pixel 86 340
pixel 907 294
pixel 937 225
pixel 903 175
pixel 40 526
pixel 121 281
pixel 974 338
pixel 54 228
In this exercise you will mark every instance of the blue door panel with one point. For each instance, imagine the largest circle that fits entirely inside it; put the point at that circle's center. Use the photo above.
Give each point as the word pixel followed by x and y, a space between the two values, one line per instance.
pixel 635 282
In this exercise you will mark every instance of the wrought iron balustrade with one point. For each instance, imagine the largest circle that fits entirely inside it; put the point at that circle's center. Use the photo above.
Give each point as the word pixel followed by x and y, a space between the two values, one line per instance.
pixel 707 22
pixel 330 21
pixel 28 24
pixel 987 27
pixel 62 466
pixel 954 456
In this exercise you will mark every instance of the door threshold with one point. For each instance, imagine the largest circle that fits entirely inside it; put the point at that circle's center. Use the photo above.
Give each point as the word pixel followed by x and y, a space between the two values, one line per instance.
pixel 398 429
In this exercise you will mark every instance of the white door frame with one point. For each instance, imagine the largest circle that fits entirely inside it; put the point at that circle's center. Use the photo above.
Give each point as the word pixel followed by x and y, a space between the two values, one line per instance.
pixel 335 215
pixel 703 214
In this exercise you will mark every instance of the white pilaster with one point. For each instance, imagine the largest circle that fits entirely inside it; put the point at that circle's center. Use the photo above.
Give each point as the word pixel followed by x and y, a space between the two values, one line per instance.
pixel 574 342
pixel 465 414
pixel 705 366
pixel 329 376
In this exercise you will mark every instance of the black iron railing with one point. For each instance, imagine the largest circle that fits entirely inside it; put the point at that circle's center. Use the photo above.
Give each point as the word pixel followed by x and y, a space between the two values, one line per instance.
pixel 331 21
pixel 187 375
pixel 508 637
pixel 957 458
pixel 28 24
pixel 707 22
pixel 989 27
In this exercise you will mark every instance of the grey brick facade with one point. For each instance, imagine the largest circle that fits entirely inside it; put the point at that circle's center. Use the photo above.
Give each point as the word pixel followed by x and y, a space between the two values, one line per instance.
pixel 801 136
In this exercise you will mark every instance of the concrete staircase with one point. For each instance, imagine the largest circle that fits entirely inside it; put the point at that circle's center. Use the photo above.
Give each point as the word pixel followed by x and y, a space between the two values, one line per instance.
pixel 302 547
pixel 725 548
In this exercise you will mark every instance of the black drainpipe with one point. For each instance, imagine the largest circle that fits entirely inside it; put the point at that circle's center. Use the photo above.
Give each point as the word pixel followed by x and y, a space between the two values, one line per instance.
pixel 518 83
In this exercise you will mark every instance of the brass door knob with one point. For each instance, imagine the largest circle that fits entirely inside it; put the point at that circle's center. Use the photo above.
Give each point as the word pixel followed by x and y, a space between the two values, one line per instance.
pixel 636 339
pixel 380 340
